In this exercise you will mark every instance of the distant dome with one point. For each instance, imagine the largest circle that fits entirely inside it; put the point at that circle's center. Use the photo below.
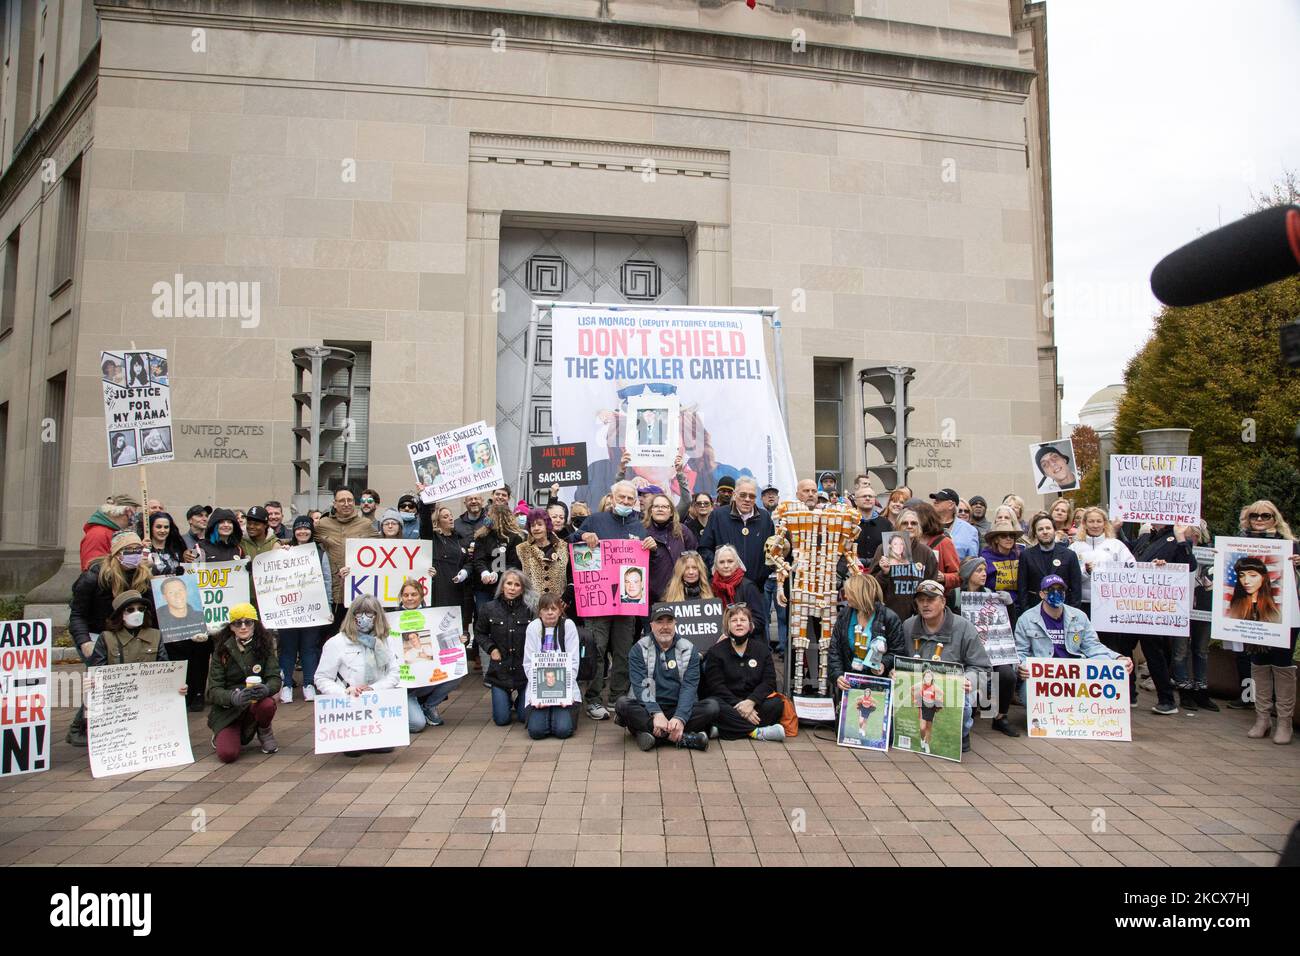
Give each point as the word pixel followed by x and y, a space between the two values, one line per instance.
pixel 1098 412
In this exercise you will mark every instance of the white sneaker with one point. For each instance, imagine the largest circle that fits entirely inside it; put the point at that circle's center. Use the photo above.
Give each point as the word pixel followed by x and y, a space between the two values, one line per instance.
pixel 309 692
pixel 286 694
pixel 597 712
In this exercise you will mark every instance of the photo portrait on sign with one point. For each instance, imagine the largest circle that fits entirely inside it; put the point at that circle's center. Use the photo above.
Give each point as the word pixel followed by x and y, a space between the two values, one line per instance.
pixel 137 369
pixel 427 470
pixel 180 608
pixel 481 454
pixel 864 713
pixel 585 558
pixel 417 646
pixel 896 546
pixel 158 369
pixel 113 369
pixel 1252 589
pixel 631 588
pixel 650 423
pixel 123 446
pixel 156 441
pixel 1054 467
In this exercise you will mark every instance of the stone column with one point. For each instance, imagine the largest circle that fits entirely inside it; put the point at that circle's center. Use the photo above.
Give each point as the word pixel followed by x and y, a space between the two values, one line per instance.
pixel 1165 441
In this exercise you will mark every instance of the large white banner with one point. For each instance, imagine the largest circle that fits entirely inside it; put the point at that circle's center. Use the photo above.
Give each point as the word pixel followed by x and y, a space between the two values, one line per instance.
pixel 1142 599
pixel 608 361
pixel 137 406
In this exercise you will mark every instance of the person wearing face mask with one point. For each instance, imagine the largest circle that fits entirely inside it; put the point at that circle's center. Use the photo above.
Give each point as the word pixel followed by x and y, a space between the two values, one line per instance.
pixel 223 539
pixel 1047 556
pixel 358 659
pixel 552 632
pixel 117 514
pixel 738 674
pixel 612 634
pixel 544 557
pixel 863 620
pixel 302 642
pixel 578 514
pixel 501 629
pixel 166 547
pixel 240 711
pixel 669 541
pixel 421 703
pixel 408 511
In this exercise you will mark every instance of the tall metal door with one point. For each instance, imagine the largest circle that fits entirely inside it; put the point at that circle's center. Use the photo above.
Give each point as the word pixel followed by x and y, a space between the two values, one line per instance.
pixel 569 266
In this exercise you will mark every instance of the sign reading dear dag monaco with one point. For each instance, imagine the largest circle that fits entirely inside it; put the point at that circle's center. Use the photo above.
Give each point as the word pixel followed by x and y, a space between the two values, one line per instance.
pixel 606 361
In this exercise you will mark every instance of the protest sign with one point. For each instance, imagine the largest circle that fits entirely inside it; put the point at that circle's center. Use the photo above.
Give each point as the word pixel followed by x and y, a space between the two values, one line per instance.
pixel 24 697
pixel 1203 585
pixel 928 701
pixel 710 363
pixel 563 465
pixel 378 566
pixel 1254 591
pixel 817 710
pixel 137 407
pixel 1077 698
pixel 136 718
pixel 700 622
pixel 1165 489
pixel 864 713
pixel 290 587
pixel 426 641
pixel 652 435
pixel 610 580
pixel 991 620
pixel 179 607
pixel 371 720
pixel 460 462
pixel 222 585
pixel 1053 466
pixel 551 679
pixel 1142 599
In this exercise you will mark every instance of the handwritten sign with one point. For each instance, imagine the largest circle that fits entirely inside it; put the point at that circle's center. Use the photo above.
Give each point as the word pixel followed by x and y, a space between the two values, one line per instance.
pixel 426 641
pixel 457 463
pixel 373 719
pixel 1165 489
pixel 563 465
pixel 700 622
pixel 24 697
pixel 989 615
pixel 1078 699
pixel 290 587
pixel 611 580
pixel 222 585
pixel 378 566
pixel 136 717
pixel 1142 599
pixel 137 406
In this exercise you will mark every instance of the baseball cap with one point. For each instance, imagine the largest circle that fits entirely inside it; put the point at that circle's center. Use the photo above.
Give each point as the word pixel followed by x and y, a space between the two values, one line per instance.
pixel 125 500
pixel 1051 581
pixel 257 513
pixel 770 488
pixel 198 510
pixel 1046 450
pixel 945 494
pixel 662 610
pixel 929 588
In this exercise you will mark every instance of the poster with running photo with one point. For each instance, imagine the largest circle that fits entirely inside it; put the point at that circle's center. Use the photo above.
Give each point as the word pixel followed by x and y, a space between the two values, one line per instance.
pixel 864 713
pixel 928 700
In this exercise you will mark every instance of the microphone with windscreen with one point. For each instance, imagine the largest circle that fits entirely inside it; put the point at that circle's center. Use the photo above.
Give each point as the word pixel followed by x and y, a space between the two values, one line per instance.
pixel 1252 252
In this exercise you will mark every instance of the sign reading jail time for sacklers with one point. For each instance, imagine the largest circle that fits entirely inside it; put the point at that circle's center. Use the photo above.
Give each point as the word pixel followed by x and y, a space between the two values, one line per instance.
pixel 1142 599
pixel 1163 489
pixel 378 566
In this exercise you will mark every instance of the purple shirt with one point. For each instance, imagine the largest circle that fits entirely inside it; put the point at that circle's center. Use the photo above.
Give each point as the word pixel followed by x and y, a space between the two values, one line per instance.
pixel 1056 631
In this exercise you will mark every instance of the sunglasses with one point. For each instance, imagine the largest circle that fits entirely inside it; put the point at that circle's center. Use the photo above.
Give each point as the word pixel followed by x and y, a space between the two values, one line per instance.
pixel 963 511
pixel 241 623
pixel 746 494
pixel 367 501
pixel 1262 516
pixel 407 508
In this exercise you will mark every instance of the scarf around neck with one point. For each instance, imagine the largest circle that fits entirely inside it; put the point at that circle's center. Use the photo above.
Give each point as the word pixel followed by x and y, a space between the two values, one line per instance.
pixel 725 588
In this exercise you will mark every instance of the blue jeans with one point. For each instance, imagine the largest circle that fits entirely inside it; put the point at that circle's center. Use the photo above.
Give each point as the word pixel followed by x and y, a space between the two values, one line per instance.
pixel 967 714
pixel 501 706
pixel 426 697
pixel 782 614
pixel 1193 652
pixel 550 722
pixel 298 642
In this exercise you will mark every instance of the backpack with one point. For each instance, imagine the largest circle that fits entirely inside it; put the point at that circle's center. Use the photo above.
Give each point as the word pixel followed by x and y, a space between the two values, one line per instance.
pixel 586 653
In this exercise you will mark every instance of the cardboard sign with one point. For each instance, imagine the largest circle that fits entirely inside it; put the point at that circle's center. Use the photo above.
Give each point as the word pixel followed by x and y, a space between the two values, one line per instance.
pixel 820 710
pixel 372 719
pixel 1165 489
pixel 427 643
pixel 136 718
pixel 460 462
pixel 137 407
pixel 563 465
pixel 24 697
pixel 179 607
pixel 612 580
pixel 700 622
pixel 1254 591
pixel 1142 599
pixel 865 713
pixel 1079 698
pixel 929 697
pixel 378 566
pixel 291 590
pixel 990 617
pixel 222 585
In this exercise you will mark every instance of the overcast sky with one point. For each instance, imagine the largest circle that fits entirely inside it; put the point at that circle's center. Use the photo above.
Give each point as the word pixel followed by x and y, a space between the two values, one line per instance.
pixel 1165 114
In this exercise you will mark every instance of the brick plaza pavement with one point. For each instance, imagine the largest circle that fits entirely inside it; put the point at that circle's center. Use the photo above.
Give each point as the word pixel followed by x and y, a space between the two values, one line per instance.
pixel 1190 791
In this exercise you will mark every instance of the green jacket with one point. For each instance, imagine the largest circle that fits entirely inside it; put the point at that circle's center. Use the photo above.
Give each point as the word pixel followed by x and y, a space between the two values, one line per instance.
pixel 230 675
pixel 252 548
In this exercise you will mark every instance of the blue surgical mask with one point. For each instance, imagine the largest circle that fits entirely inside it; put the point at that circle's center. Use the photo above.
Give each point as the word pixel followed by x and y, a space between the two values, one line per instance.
pixel 1055 598
pixel 523 521
pixel 131 560
pixel 365 623
pixel 624 510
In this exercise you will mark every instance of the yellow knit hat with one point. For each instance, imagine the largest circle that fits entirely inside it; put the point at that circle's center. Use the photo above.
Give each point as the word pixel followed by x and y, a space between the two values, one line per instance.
pixel 243 612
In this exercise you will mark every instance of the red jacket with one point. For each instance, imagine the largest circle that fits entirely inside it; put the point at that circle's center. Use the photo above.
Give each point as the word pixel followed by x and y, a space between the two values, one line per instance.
pixel 949 562
pixel 96 537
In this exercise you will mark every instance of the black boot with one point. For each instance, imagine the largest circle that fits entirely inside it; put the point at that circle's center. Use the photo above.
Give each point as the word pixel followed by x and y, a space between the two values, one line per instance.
pixel 1187 699
pixel 1204 702
pixel 695 741
pixel 77 730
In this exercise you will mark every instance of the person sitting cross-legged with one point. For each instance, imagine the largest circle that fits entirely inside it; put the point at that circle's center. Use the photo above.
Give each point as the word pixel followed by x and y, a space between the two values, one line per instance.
pixel 664 706
pixel 740 677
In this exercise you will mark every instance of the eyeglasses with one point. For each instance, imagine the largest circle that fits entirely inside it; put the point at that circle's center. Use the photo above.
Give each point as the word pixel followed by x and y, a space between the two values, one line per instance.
pixel 242 623
pixel 704 504
pixel 367 501
pixel 1262 516
pixel 746 494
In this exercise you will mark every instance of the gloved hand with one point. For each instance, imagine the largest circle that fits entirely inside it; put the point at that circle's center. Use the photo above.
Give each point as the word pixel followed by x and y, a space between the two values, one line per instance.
pixel 239 697
pixel 461 575
pixel 258 691
pixel 1004 597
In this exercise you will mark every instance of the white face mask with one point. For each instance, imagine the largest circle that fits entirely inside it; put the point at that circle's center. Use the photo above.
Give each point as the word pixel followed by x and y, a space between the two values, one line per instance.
pixel 133 618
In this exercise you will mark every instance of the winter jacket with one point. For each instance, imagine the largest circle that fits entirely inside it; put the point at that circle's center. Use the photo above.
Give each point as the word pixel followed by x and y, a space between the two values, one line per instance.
pixel 92 605
pixel 1098 551
pixel 607 526
pixel 230 674
pixel 569 642
pixel 502 626
pixel 730 677
pixel 961 641
pixel 949 562
pixel 870 533
pixel 1032 639
pixel 214 548
pixel 663 557
pixel 1163 545
pixel 547 567
pixel 96 537
pixel 343 666
pixel 750 595
pixel 727 527
pixel 253 548
pixel 449 559
pixel 465 526
pixel 899 581
pixel 1036 564
pixel 124 647
pixel 1003 570
pixel 330 534
pixel 493 554
pixel 642 673
pixel 884 624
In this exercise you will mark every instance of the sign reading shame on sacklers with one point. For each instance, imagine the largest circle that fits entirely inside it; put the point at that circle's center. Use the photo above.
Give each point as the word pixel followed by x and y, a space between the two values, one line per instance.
pixel 1163 489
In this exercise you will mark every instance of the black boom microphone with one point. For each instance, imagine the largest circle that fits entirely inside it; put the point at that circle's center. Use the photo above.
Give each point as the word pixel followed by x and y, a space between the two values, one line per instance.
pixel 1238 257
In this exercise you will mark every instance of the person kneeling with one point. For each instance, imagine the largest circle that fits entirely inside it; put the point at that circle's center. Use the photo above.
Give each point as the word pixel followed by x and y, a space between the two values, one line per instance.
pixel 665 674
pixel 357 659
pixel 242 683
pixel 935 633
pixel 740 677
pixel 552 692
